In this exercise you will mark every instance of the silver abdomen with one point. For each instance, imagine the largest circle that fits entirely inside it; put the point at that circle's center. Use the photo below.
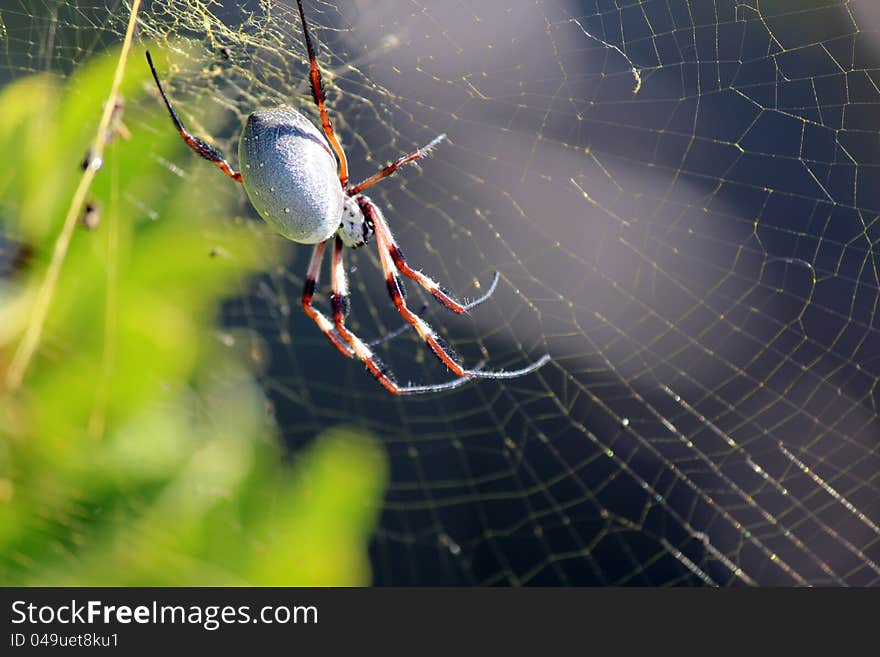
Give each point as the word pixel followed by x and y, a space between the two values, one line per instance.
pixel 290 175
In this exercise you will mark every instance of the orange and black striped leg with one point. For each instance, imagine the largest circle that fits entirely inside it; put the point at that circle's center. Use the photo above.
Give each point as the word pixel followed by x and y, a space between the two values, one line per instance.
pixel 318 95
pixel 198 145
pixel 308 294
pixel 430 337
pixel 395 289
pixel 363 352
pixel 340 310
pixel 417 154
pixel 406 326
pixel 383 232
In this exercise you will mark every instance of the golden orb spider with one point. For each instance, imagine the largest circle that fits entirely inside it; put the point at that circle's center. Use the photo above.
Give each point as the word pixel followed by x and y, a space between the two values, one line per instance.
pixel 301 189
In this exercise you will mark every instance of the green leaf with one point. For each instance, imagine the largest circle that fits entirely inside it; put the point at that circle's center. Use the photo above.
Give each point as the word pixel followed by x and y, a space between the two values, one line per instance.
pixel 139 450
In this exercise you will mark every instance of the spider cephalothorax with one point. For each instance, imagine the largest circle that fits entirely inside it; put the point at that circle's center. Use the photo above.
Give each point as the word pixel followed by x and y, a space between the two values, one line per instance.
pixel 296 177
pixel 356 228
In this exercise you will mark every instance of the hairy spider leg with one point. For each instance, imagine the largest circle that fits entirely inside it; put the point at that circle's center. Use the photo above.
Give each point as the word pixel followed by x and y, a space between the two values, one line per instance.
pixel 198 145
pixel 406 326
pixel 339 282
pixel 417 154
pixel 374 214
pixel 309 293
pixel 395 289
pixel 318 95
pixel 362 351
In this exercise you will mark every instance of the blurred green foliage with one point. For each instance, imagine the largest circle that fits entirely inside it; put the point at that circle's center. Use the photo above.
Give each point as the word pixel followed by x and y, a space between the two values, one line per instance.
pixel 139 451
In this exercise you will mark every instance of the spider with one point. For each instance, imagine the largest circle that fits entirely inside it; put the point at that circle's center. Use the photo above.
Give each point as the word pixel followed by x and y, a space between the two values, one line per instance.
pixel 297 180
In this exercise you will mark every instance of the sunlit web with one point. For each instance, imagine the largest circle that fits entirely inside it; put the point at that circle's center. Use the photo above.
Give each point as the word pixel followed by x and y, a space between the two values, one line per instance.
pixel 682 200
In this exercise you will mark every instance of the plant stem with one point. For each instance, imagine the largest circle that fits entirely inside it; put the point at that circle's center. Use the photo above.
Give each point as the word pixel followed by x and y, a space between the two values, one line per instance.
pixel 33 334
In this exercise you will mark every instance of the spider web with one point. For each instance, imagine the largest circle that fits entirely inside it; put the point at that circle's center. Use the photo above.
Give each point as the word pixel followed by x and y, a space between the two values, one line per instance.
pixel 681 198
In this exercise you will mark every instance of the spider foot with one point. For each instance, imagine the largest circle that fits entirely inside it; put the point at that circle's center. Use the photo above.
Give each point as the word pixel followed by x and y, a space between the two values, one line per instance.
pixel 400 330
pixel 476 302
pixel 445 299
pixel 424 151
pixel 479 373
pixel 439 387
pixel 476 373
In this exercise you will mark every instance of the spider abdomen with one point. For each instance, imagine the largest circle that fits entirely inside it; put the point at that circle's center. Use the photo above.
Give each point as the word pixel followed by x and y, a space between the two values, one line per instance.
pixel 290 175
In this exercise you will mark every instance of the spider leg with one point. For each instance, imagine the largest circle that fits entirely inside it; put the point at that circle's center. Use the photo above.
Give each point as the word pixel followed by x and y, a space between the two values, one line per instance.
pixel 198 145
pixel 318 95
pixel 309 292
pixel 400 330
pixel 417 154
pixel 384 237
pixel 363 352
pixel 340 309
pixel 430 337
pixel 476 373
pixel 395 289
